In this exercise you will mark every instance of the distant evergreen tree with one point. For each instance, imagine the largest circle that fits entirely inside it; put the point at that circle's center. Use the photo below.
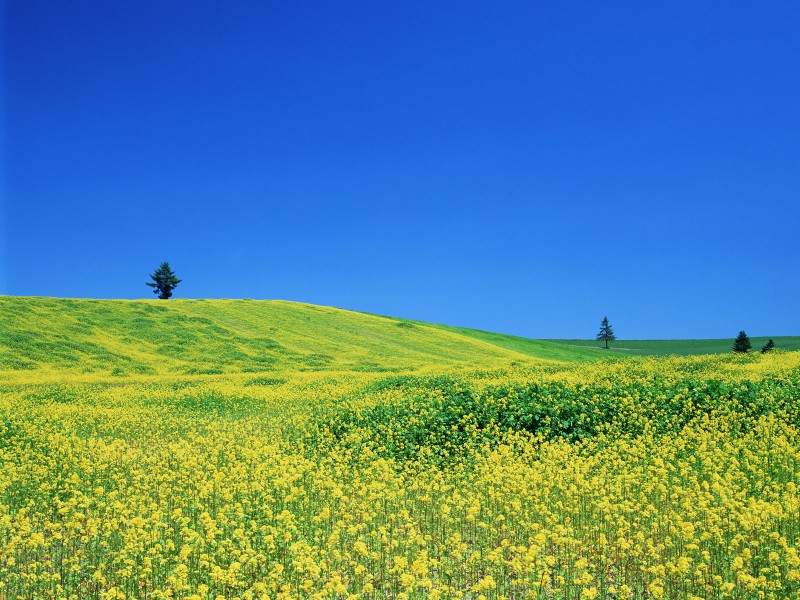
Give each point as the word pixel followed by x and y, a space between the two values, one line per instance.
pixel 742 343
pixel 164 281
pixel 768 346
pixel 606 334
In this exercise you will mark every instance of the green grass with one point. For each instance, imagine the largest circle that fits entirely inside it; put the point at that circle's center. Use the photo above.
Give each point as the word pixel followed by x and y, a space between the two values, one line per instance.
pixel 542 349
pixel 677 347
pixel 207 337
pixel 147 337
pixel 590 350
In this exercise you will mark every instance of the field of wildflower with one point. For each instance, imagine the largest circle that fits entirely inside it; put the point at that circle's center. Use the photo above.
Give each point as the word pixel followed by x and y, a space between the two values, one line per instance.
pixel 283 451
pixel 642 478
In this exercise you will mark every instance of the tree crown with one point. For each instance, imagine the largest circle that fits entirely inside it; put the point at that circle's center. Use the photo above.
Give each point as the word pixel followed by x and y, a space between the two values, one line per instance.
pixel 606 333
pixel 741 343
pixel 164 281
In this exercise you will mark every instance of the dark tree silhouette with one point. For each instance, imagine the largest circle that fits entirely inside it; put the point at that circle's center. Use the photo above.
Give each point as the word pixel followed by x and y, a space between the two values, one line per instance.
pixel 742 343
pixel 606 334
pixel 768 346
pixel 164 281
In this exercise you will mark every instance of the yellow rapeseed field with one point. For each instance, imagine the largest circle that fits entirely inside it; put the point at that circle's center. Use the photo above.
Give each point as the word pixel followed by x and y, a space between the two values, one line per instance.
pixel 642 478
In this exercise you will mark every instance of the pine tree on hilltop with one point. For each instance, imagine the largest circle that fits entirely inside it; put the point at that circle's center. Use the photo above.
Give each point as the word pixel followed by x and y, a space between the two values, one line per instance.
pixel 164 281
pixel 768 346
pixel 742 343
pixel 606 334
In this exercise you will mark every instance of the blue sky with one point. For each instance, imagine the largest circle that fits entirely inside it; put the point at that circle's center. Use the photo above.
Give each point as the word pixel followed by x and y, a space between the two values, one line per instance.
pixel 524 167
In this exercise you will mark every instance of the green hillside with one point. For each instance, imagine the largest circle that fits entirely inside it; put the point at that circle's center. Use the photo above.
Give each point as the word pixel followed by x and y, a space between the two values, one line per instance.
pixel 149 337
pixel 543 349
pixel 591 350
pixel 122 337
pixel 677 347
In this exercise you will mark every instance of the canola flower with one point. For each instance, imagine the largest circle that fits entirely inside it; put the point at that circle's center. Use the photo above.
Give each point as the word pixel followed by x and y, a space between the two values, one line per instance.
pixel 652 478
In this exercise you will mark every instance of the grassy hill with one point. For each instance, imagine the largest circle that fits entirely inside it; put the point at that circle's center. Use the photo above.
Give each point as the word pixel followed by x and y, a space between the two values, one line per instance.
pixel 541 349
pixel 591 350
pixel 262 443
pixel 149 337
pixel 678 347
pixel 121 337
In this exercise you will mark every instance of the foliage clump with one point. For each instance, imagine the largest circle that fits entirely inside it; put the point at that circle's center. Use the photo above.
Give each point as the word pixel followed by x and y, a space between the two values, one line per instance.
pixel 606 333
pixel 164 281
pixel 742 343
pixel 446 418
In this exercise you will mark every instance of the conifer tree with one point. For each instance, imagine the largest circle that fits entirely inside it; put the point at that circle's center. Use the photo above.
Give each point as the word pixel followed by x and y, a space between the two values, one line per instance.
pixel 768 346
pixel 742 343
pixel 164 281
pixel 606 334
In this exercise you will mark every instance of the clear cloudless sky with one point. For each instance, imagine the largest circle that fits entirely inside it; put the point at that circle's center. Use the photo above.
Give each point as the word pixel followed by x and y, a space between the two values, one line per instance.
pixel 523 167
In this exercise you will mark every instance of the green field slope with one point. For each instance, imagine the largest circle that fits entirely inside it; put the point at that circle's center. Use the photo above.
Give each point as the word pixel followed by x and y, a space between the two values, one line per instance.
pixel 676 347
pixel 591 350
pixel 121 337
pixel 150 337
pixel 559 350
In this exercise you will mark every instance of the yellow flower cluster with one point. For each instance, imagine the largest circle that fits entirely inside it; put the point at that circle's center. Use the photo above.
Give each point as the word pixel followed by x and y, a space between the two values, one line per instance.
pixel 224 486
